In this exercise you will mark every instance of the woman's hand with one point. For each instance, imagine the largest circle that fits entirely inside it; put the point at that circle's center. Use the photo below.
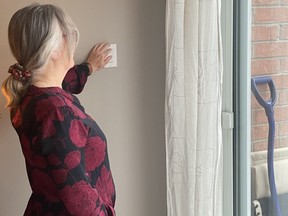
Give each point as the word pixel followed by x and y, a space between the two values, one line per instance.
pixel 99 56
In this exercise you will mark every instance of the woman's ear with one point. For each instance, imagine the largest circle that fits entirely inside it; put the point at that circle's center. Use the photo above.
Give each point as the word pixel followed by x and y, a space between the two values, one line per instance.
pixel 56 54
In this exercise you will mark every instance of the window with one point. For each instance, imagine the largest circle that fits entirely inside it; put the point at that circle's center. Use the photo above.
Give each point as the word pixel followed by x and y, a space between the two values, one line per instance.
pixel 269 58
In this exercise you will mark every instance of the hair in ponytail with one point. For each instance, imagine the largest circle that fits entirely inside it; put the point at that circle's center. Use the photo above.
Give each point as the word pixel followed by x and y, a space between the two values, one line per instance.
pixel 34 32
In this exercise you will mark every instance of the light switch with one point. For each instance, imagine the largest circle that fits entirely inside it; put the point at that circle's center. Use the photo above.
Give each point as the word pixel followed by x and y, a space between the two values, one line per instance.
pixel 113 53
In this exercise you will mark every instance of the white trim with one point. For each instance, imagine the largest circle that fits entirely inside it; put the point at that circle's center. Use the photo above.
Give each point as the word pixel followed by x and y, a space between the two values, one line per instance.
pixel 227 105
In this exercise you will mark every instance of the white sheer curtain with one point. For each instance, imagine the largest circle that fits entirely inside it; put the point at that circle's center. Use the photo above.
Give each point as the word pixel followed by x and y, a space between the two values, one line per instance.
pixel 193 108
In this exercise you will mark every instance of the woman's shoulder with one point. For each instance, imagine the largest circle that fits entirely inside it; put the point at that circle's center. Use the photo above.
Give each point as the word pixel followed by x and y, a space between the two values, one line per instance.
pixel 48 98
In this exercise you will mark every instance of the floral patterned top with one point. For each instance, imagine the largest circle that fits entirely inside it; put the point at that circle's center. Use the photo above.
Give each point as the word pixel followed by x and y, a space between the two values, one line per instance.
pixel 65 152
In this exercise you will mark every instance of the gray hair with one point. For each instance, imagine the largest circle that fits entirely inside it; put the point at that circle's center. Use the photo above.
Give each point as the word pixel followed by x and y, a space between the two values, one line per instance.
pixel 34 32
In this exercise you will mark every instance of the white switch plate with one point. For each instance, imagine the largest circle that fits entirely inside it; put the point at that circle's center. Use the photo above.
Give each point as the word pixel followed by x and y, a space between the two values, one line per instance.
pixel 113 53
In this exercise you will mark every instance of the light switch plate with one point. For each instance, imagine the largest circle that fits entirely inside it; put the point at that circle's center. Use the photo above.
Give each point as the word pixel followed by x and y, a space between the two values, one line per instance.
pixel 113 53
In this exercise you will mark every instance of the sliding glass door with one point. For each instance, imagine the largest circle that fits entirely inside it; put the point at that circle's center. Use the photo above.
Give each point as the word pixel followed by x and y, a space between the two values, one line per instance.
pixel 269 119
pixel 261 117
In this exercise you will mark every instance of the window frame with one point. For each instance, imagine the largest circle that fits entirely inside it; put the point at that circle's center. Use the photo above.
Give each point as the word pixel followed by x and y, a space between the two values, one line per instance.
pixel 242 107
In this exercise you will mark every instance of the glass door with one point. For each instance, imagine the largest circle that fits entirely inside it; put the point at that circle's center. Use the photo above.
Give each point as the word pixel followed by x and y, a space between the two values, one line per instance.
pixel 269 119
pixel 261 118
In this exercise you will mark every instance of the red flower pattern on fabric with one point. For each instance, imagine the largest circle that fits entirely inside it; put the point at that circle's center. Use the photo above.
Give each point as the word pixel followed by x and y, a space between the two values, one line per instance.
pixel 26 147
pixel 48 187
pixel 73 82
pixel 39 161
pixel 60 175
pixel 49 129
pixel 80 198
pixel 54 160
pixel 76 111
pixel 64 162
pixel 17 121
pixel 95 152
pixel 105 185
pixel 49 104
pixel 100 212
pixel 72 159
pixel 78 133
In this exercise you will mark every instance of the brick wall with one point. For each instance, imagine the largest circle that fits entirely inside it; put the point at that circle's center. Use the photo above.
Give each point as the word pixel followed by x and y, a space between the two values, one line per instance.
pixel 270 57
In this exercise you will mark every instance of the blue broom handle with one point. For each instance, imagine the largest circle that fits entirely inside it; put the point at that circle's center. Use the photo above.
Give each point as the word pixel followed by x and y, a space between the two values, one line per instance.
pixel 269 109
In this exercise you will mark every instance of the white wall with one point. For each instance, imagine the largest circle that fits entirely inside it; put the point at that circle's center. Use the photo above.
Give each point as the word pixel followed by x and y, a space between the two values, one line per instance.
pixel 127 102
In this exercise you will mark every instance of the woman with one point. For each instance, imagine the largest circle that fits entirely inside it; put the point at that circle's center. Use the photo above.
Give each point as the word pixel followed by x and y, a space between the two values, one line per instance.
pixel 65 151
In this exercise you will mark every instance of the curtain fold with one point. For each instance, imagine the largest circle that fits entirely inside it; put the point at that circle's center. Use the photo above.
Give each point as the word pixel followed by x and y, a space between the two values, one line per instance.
pixel 193 99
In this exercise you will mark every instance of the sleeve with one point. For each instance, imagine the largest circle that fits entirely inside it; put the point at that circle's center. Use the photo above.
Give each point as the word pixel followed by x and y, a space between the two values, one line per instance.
pixel 76 78
pixel 64 139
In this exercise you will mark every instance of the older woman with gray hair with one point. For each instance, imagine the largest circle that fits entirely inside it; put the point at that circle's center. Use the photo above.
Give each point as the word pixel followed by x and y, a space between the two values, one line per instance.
pixel 65 150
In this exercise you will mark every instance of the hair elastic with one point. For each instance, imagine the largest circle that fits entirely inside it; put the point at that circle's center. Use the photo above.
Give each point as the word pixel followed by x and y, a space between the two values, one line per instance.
pixel 19 72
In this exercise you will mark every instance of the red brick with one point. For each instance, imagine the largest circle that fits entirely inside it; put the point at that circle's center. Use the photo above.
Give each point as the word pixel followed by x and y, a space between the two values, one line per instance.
pixel 271 15
pixel 264 2
pixel 259 132
pixel 265 66
pixel 281 113
pixel 254 103
pixel 283 32
pixel 284 65
pixel 277 143
pixel 270 57
pixel 264 33
pixel 259 117
pixel 283 142
pixel 270 49
pixel 259 145
pixel 262 145
pixel 283 128
pixel 284 2
pixel 280 81
pixel 282 98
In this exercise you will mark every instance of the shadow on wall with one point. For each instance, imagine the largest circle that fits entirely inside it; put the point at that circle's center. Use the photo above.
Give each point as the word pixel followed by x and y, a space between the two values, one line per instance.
pixel 14 184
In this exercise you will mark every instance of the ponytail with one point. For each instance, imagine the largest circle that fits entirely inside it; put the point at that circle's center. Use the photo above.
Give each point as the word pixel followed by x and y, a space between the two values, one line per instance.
pixel 34 32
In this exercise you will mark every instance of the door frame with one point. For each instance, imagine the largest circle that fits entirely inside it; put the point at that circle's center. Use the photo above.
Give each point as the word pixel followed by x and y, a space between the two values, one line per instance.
pixel 242 107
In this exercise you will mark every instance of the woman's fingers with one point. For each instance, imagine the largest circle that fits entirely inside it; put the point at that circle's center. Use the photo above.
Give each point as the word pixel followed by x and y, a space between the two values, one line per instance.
pixel 99 56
